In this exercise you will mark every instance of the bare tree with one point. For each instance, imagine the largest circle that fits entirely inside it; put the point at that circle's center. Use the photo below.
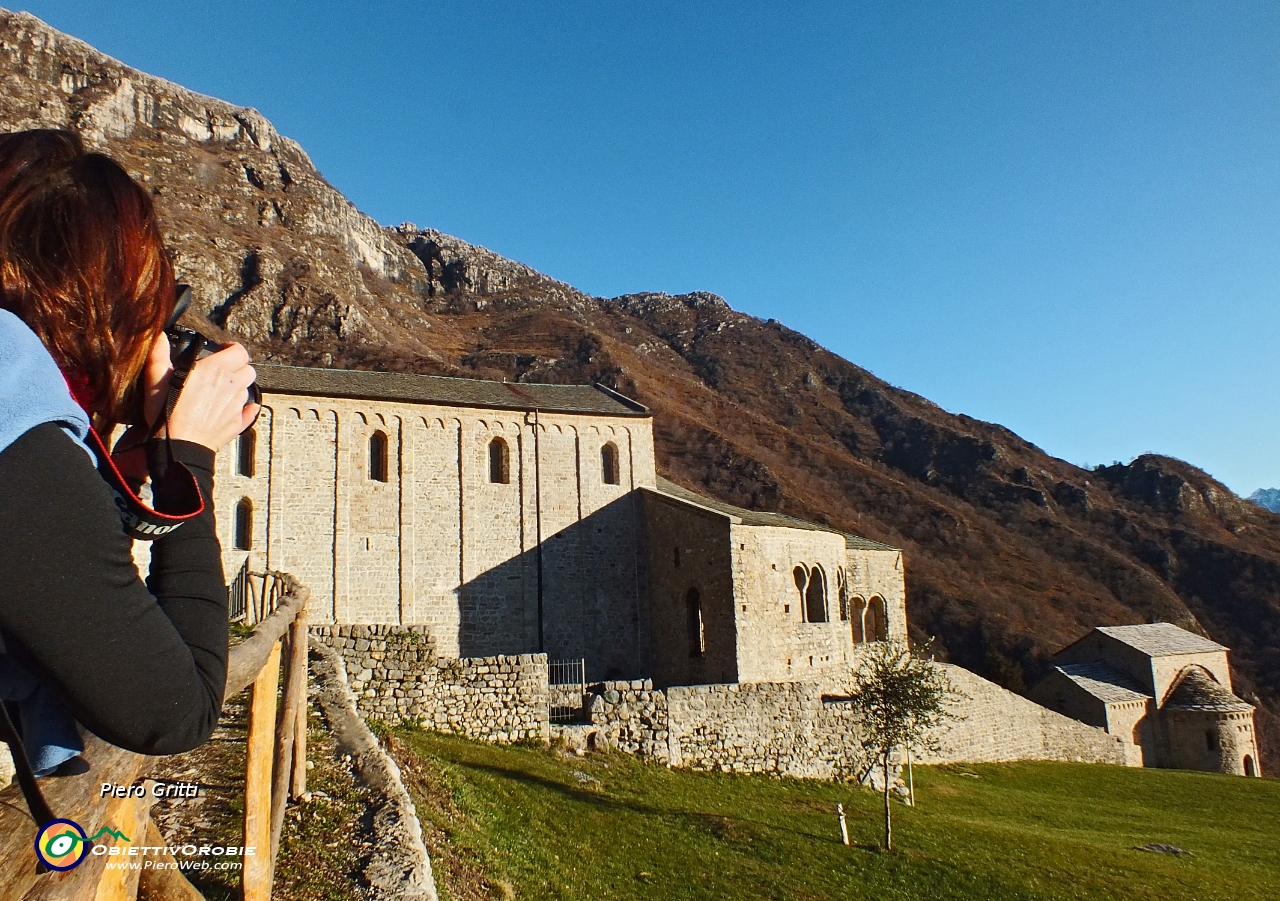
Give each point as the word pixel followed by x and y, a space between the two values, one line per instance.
pixel 900 698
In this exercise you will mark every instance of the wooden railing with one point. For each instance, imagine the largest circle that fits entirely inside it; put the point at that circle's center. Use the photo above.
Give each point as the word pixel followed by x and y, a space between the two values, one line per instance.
pixel 275 770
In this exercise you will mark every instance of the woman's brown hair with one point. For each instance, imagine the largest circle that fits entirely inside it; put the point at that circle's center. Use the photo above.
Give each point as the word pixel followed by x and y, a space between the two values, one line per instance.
pixel 83 264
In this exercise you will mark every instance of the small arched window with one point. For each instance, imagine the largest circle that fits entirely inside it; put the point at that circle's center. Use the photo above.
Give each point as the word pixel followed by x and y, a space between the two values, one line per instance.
pixel 877 624
pixel 801 577
pixel 243 531
pixel 499 462
pixel 378 469
pixel 842 588
pixel 1211 739
pixel 1249 768
pixel 697 632
pixel 815 596
pixel 857 619
pixel 609 463
pixel 246 446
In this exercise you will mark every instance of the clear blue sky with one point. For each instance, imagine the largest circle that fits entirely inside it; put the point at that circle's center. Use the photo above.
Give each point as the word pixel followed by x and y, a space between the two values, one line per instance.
pixel 1063 217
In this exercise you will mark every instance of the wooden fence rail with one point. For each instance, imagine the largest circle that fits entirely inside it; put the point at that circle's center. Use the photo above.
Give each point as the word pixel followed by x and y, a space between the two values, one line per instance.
pixel 275 771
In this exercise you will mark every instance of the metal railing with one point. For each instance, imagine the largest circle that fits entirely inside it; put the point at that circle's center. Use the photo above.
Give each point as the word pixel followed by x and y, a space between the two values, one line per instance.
pixel 238 593
pixel 275 770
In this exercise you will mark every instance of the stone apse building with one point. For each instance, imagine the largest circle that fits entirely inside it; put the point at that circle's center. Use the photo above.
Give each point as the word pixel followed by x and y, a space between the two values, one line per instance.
pixel 1164 691
pixel 516 519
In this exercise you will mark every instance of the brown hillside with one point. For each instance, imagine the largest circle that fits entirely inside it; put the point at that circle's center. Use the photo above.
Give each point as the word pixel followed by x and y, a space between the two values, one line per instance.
pixel 1011 553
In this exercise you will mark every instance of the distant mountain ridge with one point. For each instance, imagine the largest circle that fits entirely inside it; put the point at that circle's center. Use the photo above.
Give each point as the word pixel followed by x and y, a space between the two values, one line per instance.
pixel 1267 498
pixel 1010 553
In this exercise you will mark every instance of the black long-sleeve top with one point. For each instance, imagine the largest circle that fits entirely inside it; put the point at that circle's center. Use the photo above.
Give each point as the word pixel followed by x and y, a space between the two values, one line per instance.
pixel 142 666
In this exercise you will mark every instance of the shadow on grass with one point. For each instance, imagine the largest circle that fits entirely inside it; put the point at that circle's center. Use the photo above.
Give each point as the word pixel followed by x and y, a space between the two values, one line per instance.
pixel 722 827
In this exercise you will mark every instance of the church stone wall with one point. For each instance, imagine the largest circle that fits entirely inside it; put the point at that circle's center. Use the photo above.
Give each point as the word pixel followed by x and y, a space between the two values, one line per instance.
pixel 437 543
pixel 878 574
pixel 688 548
pixel 775 643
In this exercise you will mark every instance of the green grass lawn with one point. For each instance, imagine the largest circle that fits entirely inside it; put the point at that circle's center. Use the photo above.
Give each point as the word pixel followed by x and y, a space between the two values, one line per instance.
pixel 533 823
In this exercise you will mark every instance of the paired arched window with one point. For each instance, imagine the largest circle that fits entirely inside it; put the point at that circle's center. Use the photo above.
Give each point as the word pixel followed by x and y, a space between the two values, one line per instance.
pixel 246 446
pixel 812 585
pixel 609 463
pixel 378 464
pixel 499 462
pixel 815 596
pixel 877 624
pixel 243 530
pixel 697 631
pixel 857 619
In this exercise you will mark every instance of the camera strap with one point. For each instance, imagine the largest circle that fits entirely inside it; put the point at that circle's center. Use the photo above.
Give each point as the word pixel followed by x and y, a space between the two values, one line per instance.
pixel 176 484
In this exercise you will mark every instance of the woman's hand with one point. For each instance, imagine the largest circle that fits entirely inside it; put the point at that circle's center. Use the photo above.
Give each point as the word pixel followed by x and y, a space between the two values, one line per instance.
pixel 211 409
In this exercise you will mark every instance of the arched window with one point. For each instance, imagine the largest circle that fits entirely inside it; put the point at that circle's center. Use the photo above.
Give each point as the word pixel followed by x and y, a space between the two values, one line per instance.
pixel 609 463
pixel 842 589
pixel 499 462
pixel 801 576
pixel 697 632
pixel 378 468
pixel 857 619
pixel 243 532
pixel 815 597
pixel 1211 739
pixel 246 445
pixel 877 624
pixel 1249 768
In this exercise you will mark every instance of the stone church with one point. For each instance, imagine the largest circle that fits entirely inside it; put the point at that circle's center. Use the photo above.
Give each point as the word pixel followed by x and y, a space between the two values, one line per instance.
pixel 1164 691
pixel 513 519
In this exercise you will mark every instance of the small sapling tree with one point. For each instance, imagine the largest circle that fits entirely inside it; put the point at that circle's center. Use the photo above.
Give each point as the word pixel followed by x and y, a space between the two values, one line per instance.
pixel 900 699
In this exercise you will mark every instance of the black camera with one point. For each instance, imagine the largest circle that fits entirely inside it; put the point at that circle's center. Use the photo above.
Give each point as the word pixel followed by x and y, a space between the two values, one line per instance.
pixel 186 346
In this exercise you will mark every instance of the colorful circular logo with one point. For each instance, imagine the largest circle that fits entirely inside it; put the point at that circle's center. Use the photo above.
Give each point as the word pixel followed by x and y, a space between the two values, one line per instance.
pixel 61 844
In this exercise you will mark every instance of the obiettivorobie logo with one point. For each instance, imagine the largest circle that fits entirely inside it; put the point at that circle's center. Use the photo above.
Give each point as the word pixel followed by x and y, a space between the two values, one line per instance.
pixel 63 844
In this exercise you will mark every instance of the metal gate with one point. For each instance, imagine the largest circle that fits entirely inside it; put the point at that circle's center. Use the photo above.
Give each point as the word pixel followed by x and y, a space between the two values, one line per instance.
pixel 568 682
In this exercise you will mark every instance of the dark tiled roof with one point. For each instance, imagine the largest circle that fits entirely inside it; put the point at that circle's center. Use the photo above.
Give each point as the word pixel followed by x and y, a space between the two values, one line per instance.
pixel 1161 639
pixel 1199 691
pixel 1102 682
pixel 434 389
pixel 758 518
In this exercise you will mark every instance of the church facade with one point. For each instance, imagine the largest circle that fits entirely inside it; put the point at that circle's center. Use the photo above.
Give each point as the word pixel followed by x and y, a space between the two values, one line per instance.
pixel 513 518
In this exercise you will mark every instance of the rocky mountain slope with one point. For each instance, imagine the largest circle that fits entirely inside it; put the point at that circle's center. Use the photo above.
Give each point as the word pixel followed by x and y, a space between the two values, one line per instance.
pixel 1011 553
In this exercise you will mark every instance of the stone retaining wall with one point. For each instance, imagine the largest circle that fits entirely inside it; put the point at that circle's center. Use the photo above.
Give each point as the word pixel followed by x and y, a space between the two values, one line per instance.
pixel 800 729
pixel 998 725
pixel 396 677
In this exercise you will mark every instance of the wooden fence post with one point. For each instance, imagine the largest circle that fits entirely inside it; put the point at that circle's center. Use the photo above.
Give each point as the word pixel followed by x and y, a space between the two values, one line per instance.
pixel 299 784
pixel 295 693
pixel 256 875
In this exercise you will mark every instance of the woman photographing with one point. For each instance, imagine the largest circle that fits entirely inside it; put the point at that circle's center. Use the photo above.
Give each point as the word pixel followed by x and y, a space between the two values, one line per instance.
pixel 86 288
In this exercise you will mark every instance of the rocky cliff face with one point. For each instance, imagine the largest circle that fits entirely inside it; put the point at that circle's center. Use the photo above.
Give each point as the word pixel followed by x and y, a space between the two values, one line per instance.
pixel 1011 553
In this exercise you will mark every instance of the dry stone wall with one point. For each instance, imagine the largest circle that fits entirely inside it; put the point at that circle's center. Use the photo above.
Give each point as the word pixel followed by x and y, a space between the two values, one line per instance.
pixel 396 677
pixel 801 729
